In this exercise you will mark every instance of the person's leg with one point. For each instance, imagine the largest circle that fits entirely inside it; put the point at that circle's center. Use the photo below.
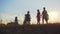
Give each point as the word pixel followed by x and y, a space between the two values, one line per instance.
pixel 38 21
pixel 28 22
pixel 46 21
pixel 42 20
pixel 24 22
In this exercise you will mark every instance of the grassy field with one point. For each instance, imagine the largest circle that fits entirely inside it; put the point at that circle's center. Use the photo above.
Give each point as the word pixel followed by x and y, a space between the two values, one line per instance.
pixel 30 29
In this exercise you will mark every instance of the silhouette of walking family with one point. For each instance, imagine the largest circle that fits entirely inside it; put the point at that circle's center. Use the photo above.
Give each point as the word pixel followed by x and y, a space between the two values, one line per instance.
pixel 44 17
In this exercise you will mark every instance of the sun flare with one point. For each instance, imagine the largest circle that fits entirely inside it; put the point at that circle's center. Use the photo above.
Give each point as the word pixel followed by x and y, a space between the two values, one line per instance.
pixel 53 15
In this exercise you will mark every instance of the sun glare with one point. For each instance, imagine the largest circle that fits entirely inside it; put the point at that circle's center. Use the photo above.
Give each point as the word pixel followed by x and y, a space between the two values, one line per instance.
pixel 53 15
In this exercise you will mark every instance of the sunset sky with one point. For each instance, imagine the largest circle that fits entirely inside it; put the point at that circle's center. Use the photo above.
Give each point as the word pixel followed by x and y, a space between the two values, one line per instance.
pixel 11 8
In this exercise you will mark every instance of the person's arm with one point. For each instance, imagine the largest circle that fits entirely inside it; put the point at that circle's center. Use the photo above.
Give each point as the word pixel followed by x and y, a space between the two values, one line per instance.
pixel 37 15
pixel 29 16
pixel 42 13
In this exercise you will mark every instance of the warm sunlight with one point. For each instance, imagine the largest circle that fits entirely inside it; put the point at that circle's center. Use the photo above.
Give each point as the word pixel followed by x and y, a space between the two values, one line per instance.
pixel 53 15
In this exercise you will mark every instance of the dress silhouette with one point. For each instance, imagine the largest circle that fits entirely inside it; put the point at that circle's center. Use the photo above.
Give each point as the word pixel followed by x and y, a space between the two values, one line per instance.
pixel 44 16
pixel 38 16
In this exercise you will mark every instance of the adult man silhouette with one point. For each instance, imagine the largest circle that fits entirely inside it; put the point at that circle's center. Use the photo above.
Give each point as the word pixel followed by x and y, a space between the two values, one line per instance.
pixel 44 16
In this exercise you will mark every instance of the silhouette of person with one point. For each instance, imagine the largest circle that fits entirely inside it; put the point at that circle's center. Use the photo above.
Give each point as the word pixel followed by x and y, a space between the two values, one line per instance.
pixel 27 18
pixel 44 16
pixel 38 16
pixel 16 20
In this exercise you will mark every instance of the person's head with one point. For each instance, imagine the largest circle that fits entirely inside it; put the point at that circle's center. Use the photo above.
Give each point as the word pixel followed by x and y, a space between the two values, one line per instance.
pixel 16 17
pixel 28 12
pixel 37 10
pixel 43 8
